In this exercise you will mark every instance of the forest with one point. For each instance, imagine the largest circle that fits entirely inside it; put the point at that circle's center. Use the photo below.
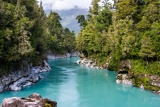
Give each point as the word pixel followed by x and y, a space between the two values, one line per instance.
pixel 128 29
pixel 27 34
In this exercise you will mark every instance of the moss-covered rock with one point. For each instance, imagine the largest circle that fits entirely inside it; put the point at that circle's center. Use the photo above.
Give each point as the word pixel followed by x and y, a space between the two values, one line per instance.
pixel 128 71
pixel 149 82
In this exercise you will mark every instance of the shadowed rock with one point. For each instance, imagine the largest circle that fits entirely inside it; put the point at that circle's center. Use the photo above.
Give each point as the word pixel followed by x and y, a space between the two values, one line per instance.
pixel 25 77
pixel 124 75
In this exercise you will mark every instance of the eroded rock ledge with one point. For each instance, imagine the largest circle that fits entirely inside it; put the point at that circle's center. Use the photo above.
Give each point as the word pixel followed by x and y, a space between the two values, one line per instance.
pixel 34 100
pixel 27 76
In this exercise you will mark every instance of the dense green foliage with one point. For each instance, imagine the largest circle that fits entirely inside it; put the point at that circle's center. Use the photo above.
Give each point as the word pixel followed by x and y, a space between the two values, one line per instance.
pixel 129 31
pixel 26 34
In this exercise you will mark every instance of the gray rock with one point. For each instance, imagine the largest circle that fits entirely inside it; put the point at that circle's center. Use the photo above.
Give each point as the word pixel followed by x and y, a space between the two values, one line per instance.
pixel 15 87
pixel 6 80
pixel 18 84
pixel 124 79
pixel 155 80
pixel 88 63
pixel 123 74
pixel 79 61
pixel 34 78
pixel 67 55
pixel 35 70
pixel 27 83
pixel 142 87
pixel 41 76
pixel 46 65
pixel 35 100
pixel 75 54
pixel 22 78
pixel 1 88
pixel 124 67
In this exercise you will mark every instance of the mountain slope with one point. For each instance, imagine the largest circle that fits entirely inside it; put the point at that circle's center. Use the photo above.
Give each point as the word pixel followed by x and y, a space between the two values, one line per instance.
pixel 69 18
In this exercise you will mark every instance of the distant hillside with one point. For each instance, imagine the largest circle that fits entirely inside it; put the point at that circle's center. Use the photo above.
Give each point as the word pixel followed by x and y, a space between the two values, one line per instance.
pixel 69 18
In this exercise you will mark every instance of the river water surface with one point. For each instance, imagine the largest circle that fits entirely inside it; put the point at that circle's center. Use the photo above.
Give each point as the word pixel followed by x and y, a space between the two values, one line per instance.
pixel 72 85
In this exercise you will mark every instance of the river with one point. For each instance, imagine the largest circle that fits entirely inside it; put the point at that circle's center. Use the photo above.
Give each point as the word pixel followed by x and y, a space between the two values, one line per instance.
pixel 72 85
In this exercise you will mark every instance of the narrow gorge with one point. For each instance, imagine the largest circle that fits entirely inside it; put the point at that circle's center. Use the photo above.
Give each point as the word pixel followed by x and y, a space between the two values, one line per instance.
pixel 113 61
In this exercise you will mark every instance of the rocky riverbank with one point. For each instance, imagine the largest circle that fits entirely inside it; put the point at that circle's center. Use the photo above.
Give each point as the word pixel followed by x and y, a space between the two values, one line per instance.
pixel 67 55
pixel 27 76
pixel 88 63
pixel 125 75
pixel 34 100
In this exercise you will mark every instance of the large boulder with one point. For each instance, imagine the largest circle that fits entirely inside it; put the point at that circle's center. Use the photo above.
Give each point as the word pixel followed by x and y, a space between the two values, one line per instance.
pixel 88 63
pixel 124 79
pixel 124 75
pixel 124 67
pixel 155 80
pixel 34 100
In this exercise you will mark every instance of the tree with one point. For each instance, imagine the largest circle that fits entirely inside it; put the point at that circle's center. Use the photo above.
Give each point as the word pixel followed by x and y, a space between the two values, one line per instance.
pixel 151 11
pixel 147 50
pixel 143 25
pixel 69 40
pixel 155 36
pixel 126 9
pixel 95 7
pixel 27 34
pixel 81 20
pixel 90 41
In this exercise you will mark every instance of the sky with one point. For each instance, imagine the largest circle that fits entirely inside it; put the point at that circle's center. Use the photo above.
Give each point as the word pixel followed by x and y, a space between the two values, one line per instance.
pixel 65 4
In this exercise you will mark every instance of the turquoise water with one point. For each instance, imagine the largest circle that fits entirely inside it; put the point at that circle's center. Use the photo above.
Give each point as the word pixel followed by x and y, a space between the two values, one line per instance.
pixel 72 85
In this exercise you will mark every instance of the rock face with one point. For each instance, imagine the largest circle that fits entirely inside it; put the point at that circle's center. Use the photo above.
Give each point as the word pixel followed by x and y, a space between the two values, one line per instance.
pixel 87 63
pixel 155 80
pixel 146 81
pixel 124 75
pixel 29 75
pixel 34 100
pixel 91 64
pixel 22 78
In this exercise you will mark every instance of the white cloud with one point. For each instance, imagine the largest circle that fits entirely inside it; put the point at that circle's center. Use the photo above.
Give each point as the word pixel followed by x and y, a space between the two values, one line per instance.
pixel 65 4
